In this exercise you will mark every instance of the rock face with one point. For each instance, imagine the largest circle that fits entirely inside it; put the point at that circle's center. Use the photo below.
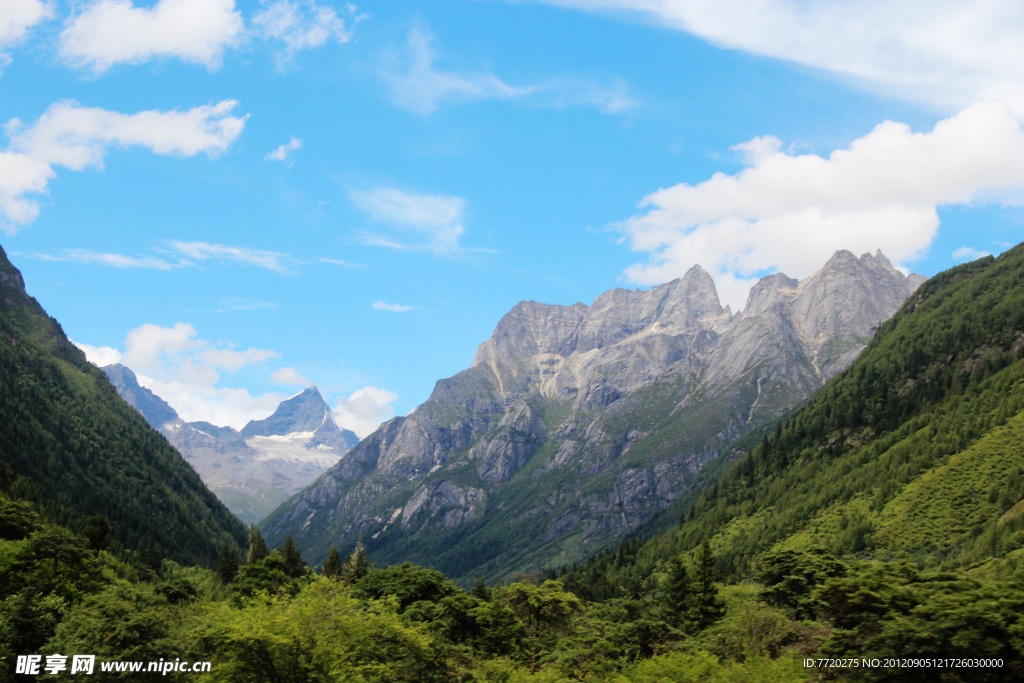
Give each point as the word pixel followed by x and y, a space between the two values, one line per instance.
pixel 575 424
pixel 257 469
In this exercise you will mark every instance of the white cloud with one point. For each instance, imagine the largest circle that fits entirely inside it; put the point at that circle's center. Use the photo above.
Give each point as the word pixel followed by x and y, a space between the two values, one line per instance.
pixel 77 137
pixel 364 410
pixel 302 26
pixel 394 308
pixel 90 257
pixel 945 52
pixel 289 376
pixel 337 262
pixel 110 32
pixel 791 212
pixel 969 254
pixel 184 370
pixel 16 18
pixel 282 152
pixel 236 304
pixel 271 260
pixel 436 218
pixel 419 86
pixel 100 356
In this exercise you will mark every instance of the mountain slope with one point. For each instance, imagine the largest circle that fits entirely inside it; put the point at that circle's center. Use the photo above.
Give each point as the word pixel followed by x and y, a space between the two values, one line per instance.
pixel 915 451
pixel 575 424
pixel 257 469
pixel 69 443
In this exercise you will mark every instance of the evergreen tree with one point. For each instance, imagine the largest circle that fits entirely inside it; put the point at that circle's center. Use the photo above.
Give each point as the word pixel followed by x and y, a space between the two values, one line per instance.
pixel 708 606
pixel 481 591
pixel 356 564
pixel 257 546
pixel 227 567
pixel 149 557
pixel 677 593
pixel 97 533
pixel 294 565
pixel 332 567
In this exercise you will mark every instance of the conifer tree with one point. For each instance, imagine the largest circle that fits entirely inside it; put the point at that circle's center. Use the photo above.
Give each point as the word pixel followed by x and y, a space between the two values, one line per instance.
pixel 481 591
pixel 356 565
pixel 149 556
pixel 332 567
pixel 227 567
pixel 294 565
pixel 257 546
pixel 97 533
pixel 677 593
pixel 708 606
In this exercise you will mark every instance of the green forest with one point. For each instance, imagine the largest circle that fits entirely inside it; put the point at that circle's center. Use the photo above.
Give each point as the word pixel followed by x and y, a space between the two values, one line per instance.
pixel 877 533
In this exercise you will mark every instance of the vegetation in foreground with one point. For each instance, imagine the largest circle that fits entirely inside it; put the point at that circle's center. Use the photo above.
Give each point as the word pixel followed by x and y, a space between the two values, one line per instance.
pixel 266 616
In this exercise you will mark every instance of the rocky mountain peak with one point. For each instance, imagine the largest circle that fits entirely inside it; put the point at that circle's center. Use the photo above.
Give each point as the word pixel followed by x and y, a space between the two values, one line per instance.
pixel 305 412
pixel 154 409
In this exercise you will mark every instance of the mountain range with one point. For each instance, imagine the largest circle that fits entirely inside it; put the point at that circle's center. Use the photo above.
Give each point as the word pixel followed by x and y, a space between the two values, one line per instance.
pixel 576 424
pixel 257 469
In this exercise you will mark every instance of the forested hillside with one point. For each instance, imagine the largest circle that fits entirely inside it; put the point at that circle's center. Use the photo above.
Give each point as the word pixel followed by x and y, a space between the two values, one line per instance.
pixel 915 452
pixel 69 444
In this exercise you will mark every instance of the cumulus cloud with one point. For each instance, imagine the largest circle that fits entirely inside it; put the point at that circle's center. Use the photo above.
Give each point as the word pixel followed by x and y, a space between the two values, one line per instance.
pixel 969 254
pixel 944 52
pixel 271 260
pixel 791 212
pixel 77 137
pixel 184 370
pixel 289 376
pixel 16 18
pixel 437 219
pixel 419 86
pixel 100 356
pixel 394 308
pixel 282 153
pixel 110 32
pixel 364 410
pixel 302 26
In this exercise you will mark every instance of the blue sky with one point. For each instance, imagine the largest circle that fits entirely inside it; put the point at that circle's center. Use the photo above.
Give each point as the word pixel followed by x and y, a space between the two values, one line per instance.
pixel 236 198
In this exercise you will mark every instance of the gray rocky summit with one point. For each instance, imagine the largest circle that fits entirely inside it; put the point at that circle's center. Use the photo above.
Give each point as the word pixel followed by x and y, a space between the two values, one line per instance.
pixel 576 424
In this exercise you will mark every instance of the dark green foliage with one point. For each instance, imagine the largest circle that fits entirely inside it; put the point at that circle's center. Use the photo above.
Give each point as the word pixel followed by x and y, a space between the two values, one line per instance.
pixel 677 592
pixel 895 610
pixel 266 575
pixel 227 565
pixel 332 567
pixel 294 565
pixel 71 446
pixel 708 607
pixel 790 576
pixel 407 582
pixel 176 590
pixel 17 519
pixel 480 590
pixel 257 546
pixel 149 557
pixel 97 532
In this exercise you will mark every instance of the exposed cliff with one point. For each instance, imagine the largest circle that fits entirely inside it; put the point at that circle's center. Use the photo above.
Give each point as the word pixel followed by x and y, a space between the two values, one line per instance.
pixel 577 423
